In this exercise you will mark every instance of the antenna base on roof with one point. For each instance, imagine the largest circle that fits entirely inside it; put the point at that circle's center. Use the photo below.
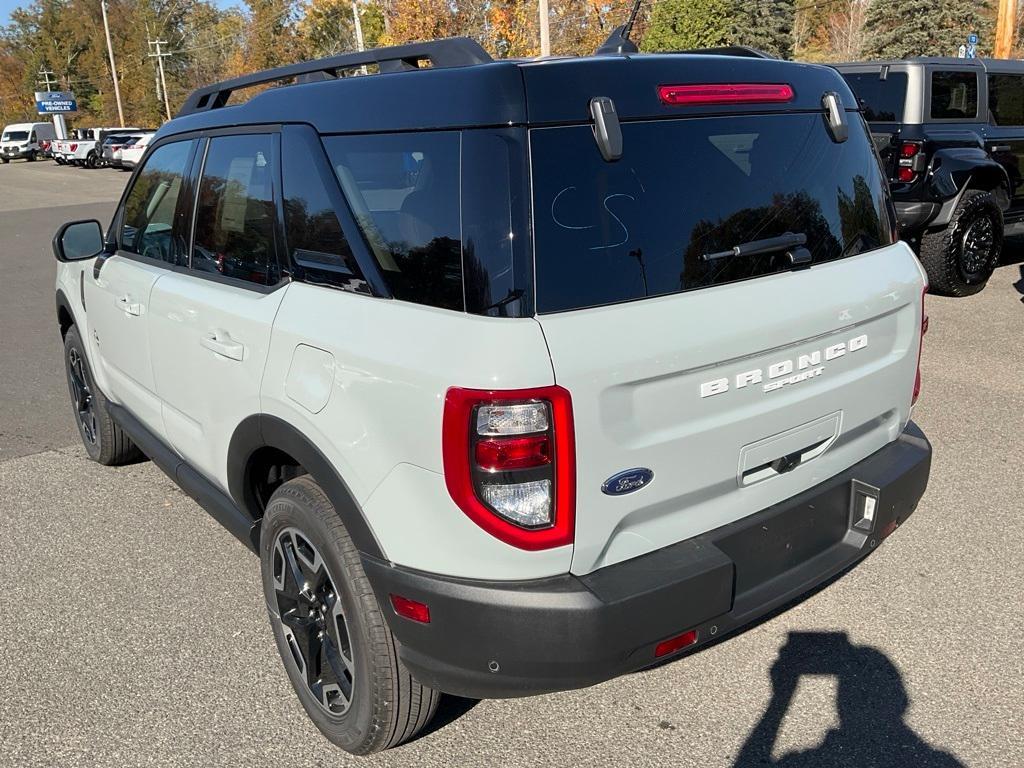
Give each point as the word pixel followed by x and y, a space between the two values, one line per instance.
pixel 618 42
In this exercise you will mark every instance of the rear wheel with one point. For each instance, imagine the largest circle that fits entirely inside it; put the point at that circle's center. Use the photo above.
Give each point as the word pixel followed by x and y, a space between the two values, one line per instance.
pixel 4 160
pixel 960 259
pixel 104 441
pixel 336 646
pixel 91 160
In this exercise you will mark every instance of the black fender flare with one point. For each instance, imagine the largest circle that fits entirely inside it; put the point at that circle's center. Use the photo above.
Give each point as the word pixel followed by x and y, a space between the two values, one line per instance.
pixel 62 304
pixel 265 431
pixel 956 169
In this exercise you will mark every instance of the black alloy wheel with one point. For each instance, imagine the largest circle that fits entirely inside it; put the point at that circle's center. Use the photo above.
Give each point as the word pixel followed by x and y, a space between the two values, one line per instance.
pixel 82 397
pixel 977 249
pixel 313 621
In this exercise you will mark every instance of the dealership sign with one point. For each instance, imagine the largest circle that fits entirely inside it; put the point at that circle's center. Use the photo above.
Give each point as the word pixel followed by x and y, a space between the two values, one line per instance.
pixel 55 102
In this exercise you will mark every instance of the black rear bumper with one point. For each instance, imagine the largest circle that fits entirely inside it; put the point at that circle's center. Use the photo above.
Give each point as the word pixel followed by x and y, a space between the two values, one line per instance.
pixel 502 639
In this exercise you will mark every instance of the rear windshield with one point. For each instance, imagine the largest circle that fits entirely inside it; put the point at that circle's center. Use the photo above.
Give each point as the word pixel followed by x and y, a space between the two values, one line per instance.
pixel 881 100
pixel 15 136
pixel 610 232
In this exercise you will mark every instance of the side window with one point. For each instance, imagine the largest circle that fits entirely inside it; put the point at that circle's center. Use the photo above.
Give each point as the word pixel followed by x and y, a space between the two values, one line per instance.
pixel 404 192
pixel 234 224
pixel 1006 99
pixel 954 95
pixel 147 225
pixel 315 238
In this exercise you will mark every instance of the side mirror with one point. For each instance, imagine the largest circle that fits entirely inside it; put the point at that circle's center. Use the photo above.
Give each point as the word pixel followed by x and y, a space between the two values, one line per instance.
pixel 78 240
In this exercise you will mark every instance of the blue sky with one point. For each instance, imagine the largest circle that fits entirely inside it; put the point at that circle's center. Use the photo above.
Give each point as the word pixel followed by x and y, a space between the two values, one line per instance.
pixel 6 6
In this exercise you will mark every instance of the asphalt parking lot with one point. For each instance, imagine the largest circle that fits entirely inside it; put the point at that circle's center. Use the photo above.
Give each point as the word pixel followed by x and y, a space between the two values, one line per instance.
pixel 133 631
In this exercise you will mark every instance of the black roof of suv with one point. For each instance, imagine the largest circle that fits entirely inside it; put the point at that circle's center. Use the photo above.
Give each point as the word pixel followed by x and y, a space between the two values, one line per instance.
pixel 454 83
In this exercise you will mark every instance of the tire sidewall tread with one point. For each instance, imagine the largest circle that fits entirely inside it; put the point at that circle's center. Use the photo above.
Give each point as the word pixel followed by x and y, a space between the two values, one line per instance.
pixel 398 706
pixel 939 252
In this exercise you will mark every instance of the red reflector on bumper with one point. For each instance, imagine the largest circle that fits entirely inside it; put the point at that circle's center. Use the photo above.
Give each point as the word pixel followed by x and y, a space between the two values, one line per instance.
pixel 665 647
pixel 725 93
pixel 411 609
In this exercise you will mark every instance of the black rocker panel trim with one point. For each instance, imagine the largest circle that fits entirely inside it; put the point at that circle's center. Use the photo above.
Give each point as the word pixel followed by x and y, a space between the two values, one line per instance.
pixel 202 491
pixel 266 431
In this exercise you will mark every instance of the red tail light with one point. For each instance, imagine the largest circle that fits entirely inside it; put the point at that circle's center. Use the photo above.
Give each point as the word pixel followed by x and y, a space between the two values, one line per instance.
pixel 911 161
pixel 510 462
pixel 73 147
pixel 725 93
pixel 920 348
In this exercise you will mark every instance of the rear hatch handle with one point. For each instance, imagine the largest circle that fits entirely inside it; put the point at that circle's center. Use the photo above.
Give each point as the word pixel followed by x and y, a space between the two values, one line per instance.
pixel 835 117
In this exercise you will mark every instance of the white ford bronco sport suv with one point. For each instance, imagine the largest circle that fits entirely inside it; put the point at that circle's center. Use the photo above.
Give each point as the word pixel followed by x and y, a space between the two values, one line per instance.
pixel 517 375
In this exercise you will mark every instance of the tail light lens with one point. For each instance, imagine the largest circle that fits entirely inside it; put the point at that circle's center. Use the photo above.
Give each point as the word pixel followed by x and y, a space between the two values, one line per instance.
pixel 73 147
pixel 510 462
pixel 920 348
pixel 911 161
pixel 725 93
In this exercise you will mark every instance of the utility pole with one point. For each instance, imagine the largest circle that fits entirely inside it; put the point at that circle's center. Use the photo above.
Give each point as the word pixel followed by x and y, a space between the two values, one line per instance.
pixel 545 32
pixel 359 27
pixel 160 65
pixel 1006 23
pixel 45 76
pixel 113 67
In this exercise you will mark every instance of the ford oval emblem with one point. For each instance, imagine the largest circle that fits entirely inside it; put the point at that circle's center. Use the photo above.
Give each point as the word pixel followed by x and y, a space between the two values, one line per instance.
pixel 628 481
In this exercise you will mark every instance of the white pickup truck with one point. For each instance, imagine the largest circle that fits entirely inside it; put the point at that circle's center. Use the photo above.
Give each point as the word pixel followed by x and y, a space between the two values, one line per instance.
pixel 84 149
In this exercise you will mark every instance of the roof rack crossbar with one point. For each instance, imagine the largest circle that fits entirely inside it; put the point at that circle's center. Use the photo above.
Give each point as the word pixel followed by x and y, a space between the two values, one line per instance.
pixel 450 52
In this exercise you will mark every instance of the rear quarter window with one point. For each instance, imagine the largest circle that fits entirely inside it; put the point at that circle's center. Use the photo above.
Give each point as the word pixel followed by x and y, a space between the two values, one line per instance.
pixel 404 192
pixel 881 100
pixel 640 227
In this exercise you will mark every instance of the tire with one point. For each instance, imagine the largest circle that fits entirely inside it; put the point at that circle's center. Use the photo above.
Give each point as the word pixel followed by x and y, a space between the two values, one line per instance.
pixel 31 157
pixel 369 702
pixel 104 441
pixel 960 259
pixel 90 160
pixel 4 160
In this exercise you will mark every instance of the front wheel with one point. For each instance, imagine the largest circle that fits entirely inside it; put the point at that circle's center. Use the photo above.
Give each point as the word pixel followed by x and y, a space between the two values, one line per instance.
pixel 104 441
pixel 960 259
pixel 336 646
pixel 4 160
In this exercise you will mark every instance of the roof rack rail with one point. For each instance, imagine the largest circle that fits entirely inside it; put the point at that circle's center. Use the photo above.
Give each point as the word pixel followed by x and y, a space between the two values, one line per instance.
pixel 449 52
pixel 731 50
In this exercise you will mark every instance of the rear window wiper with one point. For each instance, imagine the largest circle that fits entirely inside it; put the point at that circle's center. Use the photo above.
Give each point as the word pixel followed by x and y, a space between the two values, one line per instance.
pixel 791 242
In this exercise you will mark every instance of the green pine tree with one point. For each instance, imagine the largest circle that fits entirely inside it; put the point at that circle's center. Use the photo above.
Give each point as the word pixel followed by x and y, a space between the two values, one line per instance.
pixel 681 24
pixel 766 25
pixel 894 28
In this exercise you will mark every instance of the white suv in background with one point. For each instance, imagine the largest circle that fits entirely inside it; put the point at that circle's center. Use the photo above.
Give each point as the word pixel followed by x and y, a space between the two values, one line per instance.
pixel 129 156
pixel 509 394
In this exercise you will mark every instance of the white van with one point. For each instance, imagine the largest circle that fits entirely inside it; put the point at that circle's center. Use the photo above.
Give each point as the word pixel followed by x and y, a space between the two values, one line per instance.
pixel 22 140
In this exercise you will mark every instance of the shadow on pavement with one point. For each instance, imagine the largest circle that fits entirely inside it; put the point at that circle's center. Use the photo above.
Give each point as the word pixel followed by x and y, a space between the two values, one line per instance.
pixel 871 701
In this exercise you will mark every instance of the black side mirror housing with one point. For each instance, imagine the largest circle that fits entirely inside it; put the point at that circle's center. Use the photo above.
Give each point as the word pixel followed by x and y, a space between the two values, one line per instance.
pixel 78 240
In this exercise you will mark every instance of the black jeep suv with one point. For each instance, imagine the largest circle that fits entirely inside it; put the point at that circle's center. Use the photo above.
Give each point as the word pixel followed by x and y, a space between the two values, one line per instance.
pixel 950 133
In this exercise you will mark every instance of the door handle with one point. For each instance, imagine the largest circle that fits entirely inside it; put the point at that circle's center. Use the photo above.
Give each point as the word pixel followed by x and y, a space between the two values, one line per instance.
pixel 221 343
pixel 128 306
pixel 1000 147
